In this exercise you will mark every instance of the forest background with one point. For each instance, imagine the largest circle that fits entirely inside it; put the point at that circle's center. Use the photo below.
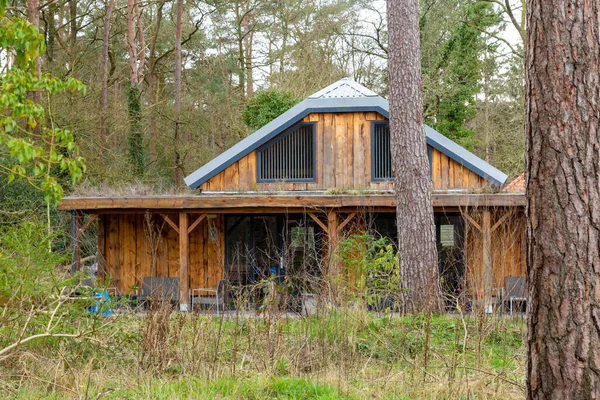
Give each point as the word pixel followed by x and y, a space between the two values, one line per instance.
pixel 102 99
pixel 240 58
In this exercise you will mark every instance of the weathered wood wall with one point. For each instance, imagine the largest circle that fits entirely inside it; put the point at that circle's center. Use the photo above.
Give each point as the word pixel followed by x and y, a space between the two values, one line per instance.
pixel 134 247
pixel 507 247
pixel 343 161
pixel 132 251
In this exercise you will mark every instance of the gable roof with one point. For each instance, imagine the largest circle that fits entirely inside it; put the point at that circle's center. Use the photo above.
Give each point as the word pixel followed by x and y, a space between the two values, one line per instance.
pixel 344 95
pixel 343 88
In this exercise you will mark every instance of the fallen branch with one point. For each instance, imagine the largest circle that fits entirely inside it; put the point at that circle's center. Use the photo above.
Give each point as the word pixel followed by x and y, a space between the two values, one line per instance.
pixel 43 335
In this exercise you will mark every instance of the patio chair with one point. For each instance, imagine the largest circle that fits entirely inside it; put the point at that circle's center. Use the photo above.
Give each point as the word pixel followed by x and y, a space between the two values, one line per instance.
pixel 514 290
pixel 210 296
pixel 154 288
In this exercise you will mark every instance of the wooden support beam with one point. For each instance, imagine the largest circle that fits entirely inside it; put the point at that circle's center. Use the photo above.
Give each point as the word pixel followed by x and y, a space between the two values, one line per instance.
pixel 472 221
pixel 332 225
pixel 196 222
pixel 170 222
pixel 78 219
pixel 501 220
pixel 319 222
pixel 346 222
pixel 487 257
pixel 184 281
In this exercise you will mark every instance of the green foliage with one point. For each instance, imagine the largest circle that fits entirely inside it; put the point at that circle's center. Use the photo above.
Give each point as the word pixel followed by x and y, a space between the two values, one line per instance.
pixel 36 298
pixel 29 149
pixel 453 70
pixel 136 132
pixel 376 263
pixel 28 274
pixel 265 106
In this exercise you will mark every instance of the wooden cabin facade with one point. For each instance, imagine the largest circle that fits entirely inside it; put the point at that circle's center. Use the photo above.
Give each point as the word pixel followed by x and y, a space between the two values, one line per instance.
pixel 291 191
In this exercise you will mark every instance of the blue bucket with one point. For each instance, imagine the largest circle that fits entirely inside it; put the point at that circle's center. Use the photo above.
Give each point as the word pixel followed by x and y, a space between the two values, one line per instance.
pixel 100 298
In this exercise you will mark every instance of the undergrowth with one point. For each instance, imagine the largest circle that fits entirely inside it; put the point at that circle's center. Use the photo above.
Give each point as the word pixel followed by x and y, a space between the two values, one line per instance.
pixel 346 353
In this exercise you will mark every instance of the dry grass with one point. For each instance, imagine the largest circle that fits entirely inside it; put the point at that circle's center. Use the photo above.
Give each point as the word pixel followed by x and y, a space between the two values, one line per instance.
pixel 338 353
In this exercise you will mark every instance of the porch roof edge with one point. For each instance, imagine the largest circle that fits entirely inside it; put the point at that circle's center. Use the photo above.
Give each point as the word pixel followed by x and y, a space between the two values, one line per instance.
pixel 207 202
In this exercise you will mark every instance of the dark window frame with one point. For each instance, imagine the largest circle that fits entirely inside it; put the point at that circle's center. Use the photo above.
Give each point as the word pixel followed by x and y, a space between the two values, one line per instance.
pixel 374 124
pixel 375 179
pixel 290 130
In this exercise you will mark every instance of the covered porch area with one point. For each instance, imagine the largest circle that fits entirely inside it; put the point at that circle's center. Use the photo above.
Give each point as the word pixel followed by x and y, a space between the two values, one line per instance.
pixel 242 239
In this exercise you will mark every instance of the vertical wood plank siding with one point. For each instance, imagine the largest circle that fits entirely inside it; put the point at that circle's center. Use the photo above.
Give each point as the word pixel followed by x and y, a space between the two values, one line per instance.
pixel 127 249
pixel 343 161
pixel 508 252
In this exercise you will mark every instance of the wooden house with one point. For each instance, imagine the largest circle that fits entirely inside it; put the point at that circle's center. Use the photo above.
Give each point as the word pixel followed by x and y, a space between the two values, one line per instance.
pixel 297 186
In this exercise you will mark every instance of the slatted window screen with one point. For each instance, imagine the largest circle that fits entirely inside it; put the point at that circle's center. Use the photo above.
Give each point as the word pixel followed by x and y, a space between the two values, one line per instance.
pixel 381 155
pixel 291 158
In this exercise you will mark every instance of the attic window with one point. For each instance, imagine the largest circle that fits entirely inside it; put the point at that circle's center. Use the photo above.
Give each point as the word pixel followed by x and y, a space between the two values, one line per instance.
pixel 290 157
pixel 381 155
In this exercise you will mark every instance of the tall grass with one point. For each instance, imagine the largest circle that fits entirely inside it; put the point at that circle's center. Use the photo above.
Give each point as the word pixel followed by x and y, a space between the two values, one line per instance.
pixel 342 352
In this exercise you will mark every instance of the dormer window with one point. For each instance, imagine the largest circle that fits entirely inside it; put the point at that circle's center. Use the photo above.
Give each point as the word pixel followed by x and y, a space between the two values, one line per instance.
pixel 381 154
pixel 290 157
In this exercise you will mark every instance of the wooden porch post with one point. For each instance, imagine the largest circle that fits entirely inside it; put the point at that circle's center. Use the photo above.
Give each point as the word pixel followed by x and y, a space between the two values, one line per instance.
pixel 100 256
pixel 332 224
pixel 184 283
pixel 486 230
pixel 76 222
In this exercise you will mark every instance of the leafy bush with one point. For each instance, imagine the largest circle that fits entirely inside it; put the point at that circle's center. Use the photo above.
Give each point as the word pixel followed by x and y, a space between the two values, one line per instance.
pixel 37 299
pixel 30 150
pixel 373 264
pixel 265 106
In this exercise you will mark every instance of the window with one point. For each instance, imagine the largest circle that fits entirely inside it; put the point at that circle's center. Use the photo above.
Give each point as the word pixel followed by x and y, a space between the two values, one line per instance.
pixel 381 155
pixel 290 157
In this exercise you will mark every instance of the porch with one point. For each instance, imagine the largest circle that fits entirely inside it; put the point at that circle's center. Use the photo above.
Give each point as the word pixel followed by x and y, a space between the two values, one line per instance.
pixel 245 239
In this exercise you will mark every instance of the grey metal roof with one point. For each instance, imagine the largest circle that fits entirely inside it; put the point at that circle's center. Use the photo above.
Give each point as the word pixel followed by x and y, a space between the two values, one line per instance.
pixel 345 87
pixel 343 96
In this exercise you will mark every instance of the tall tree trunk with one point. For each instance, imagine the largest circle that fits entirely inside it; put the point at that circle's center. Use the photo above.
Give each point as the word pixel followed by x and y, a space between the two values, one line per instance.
pixel 239 17
pixel 50 32
pixel 134 78
pixel 153 84
pixel 248 41
pixel 563 199
pixel 104 99
pixel 134 93
pixel 177 175
pixel 416 231
pixel 72 32
pixel 33 16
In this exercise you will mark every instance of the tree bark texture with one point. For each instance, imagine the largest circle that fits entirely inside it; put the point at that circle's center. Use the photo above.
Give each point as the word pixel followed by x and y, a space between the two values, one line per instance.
pixel 135 69
pixel 563 210
pixel 416 231
pixel 135 37
pixel 177 175
pixel 104 99
pixel 33 16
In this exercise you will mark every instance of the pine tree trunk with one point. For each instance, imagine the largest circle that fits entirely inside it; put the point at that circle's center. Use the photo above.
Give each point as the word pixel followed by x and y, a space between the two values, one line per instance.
pixel 416 232
pixel 563 211
pixel 177 175
pixel 153 82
